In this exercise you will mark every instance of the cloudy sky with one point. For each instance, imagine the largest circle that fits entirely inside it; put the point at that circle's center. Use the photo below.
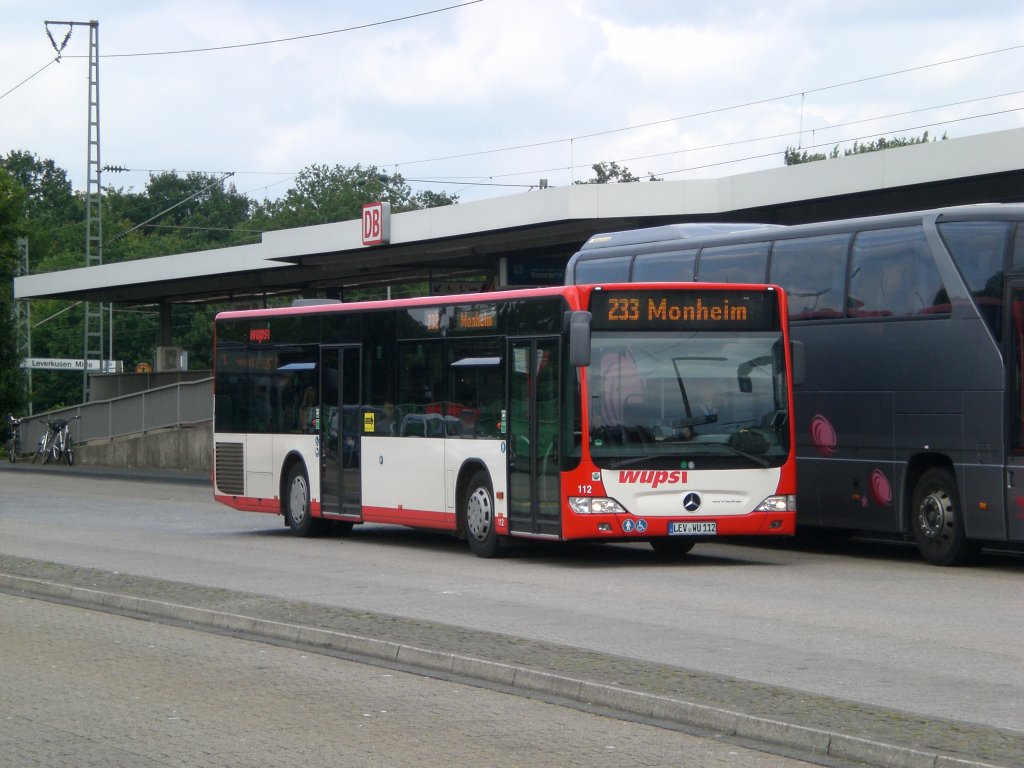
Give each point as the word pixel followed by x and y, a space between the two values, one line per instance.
pixel 488 97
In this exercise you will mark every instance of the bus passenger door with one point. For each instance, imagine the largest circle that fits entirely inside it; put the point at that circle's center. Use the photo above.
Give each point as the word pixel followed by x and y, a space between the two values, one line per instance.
pixel 340 430
pixel 533 411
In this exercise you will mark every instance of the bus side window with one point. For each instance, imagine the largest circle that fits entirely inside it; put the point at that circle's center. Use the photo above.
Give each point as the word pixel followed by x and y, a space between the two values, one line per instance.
pixel 613 270
pixel 421 378
pixel 674 267
pixel 1017 377
pixel 892 274
pixel 746 263
pixel 812 271
pixel 476 389
pixel 979 249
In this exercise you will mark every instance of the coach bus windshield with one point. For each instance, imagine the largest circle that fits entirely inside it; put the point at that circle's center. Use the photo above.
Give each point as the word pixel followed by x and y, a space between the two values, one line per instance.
pixel 693 400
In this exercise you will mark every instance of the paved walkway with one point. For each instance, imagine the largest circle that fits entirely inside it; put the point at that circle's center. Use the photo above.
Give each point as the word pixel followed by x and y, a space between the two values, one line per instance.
pixel 832 727
pixel 87 689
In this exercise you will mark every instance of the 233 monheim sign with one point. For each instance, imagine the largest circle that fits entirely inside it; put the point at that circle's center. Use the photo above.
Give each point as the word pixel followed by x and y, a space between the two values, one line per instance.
pixel 704 310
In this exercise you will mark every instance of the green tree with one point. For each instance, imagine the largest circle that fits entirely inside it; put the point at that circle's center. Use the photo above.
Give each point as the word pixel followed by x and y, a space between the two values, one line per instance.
pixel 793 155
pixel 13 386
pixel 51 217
pixel 613 173
pixel 323 194
pixel 174 214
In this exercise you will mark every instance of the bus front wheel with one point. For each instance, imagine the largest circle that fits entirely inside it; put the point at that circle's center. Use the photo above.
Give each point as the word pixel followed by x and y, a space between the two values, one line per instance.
pixel 478 508
pixel 297 503
pixel 938 521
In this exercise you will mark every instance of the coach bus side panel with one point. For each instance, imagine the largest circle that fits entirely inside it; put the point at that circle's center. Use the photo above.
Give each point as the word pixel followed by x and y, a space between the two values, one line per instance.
pixel 877 394
pixel 845 443
pixel 982 484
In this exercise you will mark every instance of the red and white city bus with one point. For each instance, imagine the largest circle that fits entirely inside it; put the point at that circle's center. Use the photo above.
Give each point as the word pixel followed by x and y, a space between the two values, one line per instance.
pixel 625 412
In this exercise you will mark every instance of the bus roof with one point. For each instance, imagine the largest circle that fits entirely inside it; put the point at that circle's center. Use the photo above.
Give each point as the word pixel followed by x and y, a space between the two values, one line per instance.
pixel 748 232
pixel 670 232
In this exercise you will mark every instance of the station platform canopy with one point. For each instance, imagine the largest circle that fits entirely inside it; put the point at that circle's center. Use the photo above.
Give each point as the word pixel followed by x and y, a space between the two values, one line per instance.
pixel 527 238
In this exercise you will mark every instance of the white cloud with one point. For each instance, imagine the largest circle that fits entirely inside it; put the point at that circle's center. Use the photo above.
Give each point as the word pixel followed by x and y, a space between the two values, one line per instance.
pixel 495 74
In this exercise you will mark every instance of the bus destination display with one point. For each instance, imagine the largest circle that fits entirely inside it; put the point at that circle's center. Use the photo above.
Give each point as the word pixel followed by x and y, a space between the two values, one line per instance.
pixel 703 310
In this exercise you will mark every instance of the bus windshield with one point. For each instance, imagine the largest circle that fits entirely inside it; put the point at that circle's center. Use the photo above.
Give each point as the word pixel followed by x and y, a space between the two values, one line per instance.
pixel 694 400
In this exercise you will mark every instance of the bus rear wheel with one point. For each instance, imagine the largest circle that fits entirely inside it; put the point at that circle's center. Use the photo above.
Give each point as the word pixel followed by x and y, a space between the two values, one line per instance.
pixel 938 521
pixel 478 509
pixel 297 503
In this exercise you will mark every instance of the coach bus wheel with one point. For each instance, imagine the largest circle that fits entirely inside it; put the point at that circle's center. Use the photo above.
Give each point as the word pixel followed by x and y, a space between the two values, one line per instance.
pixel 296 503
pixel 479 511
pixel 673 547
pixel 937 520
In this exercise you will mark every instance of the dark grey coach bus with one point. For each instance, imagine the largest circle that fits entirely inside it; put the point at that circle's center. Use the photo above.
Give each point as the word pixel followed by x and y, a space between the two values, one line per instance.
pixel 910 420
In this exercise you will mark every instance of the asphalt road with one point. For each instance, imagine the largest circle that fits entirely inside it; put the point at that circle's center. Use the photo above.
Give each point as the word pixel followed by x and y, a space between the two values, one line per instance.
pixel 83 689
pixel 872 624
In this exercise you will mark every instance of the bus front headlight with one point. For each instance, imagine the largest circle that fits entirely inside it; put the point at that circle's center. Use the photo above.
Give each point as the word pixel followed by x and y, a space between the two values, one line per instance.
pixel 777 504
pixel 595 505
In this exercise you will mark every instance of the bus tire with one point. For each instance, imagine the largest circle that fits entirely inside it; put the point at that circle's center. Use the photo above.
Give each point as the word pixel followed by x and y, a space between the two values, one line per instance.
pixel 478 508
pixel 937 520
pixel 297 503
pixel 671 547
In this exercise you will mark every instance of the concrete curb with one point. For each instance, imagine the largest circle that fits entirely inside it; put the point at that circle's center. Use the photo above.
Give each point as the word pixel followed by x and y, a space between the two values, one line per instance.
pixel 613 699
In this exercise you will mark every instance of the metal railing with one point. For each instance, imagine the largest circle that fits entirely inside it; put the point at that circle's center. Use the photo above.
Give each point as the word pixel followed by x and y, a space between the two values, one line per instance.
pixel 181 404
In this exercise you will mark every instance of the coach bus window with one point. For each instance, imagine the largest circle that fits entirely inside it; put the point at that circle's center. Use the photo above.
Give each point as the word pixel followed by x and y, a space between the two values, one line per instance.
pixel 1017 371
pixel 613 270
pixel 979 249
pixel 665 267
pixel 892 275
pixel 812 271
pixel 746 263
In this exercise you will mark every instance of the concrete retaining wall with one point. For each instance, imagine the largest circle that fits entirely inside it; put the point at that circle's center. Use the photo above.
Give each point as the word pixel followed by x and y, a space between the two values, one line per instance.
pixel 185 449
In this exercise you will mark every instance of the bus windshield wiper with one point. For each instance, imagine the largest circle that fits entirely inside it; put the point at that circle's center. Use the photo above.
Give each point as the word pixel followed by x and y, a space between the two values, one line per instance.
pixel 753 459
pixel 628 462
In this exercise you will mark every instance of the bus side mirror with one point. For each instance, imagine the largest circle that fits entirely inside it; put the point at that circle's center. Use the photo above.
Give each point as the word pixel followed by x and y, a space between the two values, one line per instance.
pixel 799 364
pixel 579 338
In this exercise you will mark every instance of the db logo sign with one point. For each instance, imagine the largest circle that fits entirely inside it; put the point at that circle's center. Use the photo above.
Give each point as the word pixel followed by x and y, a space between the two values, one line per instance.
pixel 376 223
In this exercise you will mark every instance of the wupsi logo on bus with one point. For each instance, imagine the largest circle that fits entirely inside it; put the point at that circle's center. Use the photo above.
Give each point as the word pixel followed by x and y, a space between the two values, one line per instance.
pixel 259 335
pixel 652 477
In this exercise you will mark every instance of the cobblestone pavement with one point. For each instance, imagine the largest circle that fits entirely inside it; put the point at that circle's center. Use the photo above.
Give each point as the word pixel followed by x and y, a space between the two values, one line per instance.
pixel 83 688
pixel 823 725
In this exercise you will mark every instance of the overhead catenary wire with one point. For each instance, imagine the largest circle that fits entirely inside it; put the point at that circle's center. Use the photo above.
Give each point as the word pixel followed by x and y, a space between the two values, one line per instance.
pixel 712 111
pixel 633 127
pixel 294 38
pixel 34 74
pixel 60 47
pixel 835 126
pixel 151 219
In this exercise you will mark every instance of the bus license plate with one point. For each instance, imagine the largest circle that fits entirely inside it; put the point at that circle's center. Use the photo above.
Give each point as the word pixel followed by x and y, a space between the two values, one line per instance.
pixel 707 528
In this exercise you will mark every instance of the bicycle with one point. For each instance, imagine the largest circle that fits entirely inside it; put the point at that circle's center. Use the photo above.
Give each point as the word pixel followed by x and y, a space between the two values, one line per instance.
pixel 14 441
pixel 56 442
